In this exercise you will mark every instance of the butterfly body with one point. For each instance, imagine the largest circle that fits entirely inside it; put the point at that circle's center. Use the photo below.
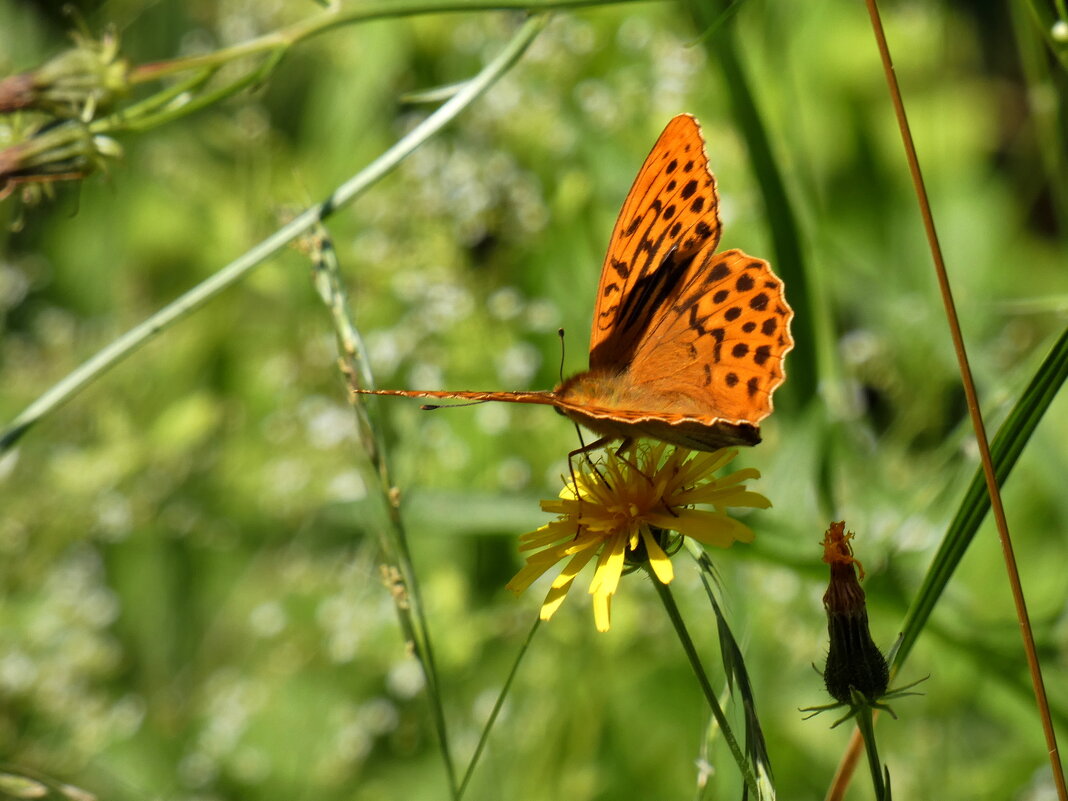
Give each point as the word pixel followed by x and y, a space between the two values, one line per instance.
pixel 687 344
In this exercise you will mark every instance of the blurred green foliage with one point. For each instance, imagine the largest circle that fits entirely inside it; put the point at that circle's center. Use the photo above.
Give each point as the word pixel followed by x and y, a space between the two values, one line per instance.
pixel 189 590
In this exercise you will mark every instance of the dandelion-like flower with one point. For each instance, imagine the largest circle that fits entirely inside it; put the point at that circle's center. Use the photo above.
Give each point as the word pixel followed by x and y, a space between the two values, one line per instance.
pixel 622 509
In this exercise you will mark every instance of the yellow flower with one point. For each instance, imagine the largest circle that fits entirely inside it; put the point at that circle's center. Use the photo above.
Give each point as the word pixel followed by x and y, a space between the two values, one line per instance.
pixel 621 508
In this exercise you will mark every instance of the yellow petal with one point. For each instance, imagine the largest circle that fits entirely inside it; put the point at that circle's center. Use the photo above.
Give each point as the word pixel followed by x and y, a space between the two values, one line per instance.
pixel 609 566
pixel 658 560
pixel 711 528
pixel 724 496
pixel 578 561
pixel 553 601
pixel 562 583
pixel 526 576
pixel 602 611
pixel 546 535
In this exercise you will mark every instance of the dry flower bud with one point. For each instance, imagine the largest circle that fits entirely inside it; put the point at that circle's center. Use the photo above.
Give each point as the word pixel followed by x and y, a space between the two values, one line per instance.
pixel 853 659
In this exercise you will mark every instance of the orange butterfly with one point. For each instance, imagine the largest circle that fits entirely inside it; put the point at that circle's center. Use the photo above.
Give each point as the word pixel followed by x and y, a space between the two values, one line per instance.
pixel 687 344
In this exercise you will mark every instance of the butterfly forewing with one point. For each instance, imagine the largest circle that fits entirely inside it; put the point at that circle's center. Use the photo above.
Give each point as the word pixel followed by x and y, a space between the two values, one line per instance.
pixel 669 215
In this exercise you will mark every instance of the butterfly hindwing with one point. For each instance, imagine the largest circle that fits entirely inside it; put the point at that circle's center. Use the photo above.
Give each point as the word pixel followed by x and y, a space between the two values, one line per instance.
pixel 721 341
pixel 669 215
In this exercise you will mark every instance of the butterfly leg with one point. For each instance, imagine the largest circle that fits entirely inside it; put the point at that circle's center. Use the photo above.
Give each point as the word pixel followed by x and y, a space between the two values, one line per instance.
pixel 585 451
pixel 632 460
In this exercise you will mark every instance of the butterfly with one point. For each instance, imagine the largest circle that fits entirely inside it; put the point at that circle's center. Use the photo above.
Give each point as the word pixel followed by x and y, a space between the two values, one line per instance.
pixel 687 344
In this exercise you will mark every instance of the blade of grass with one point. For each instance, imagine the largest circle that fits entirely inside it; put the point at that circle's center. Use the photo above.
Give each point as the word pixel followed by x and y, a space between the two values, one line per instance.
pixel 132 340
pixel 756 747
pixel 1006 448
pixel 405 588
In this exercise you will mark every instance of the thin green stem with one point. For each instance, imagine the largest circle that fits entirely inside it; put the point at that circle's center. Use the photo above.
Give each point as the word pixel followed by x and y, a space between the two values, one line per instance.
pixel 125 120
pixel 339 15
pixel 402 577
pixel 132 340
pixel 702 679
pixel 867 730
pixel 484 737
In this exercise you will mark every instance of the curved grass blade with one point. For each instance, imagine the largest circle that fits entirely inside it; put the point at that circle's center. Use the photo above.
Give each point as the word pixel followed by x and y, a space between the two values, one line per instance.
pixel 756 747
pixel 1005 449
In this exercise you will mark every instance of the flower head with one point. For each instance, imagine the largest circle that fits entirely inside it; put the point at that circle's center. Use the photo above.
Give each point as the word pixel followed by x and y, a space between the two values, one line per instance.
pixel 74 84
pixel 621 509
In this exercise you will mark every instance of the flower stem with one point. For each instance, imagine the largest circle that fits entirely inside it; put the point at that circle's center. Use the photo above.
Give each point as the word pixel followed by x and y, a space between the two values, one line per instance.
pixel 867 730
pixel 702 679
pixel 484 737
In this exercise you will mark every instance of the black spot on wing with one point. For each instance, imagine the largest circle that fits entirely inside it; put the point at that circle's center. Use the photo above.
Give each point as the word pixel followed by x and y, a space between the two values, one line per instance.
pixel 719 272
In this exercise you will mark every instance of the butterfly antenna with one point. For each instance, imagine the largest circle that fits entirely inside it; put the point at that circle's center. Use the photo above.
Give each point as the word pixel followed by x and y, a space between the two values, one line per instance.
pixel 560 333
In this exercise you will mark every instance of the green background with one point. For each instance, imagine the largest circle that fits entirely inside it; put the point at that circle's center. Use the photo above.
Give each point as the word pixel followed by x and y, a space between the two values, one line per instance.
pixel 190 599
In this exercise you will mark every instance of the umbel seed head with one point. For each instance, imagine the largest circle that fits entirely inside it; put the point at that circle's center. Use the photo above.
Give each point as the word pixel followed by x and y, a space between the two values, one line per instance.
pixel 853 659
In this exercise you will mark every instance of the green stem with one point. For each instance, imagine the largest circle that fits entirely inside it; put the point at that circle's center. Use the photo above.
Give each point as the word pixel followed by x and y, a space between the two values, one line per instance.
pixel 867 730
pixel 484 738
pixel 338 16
pixel 408 605
pixel 127 120
pixel 702 679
